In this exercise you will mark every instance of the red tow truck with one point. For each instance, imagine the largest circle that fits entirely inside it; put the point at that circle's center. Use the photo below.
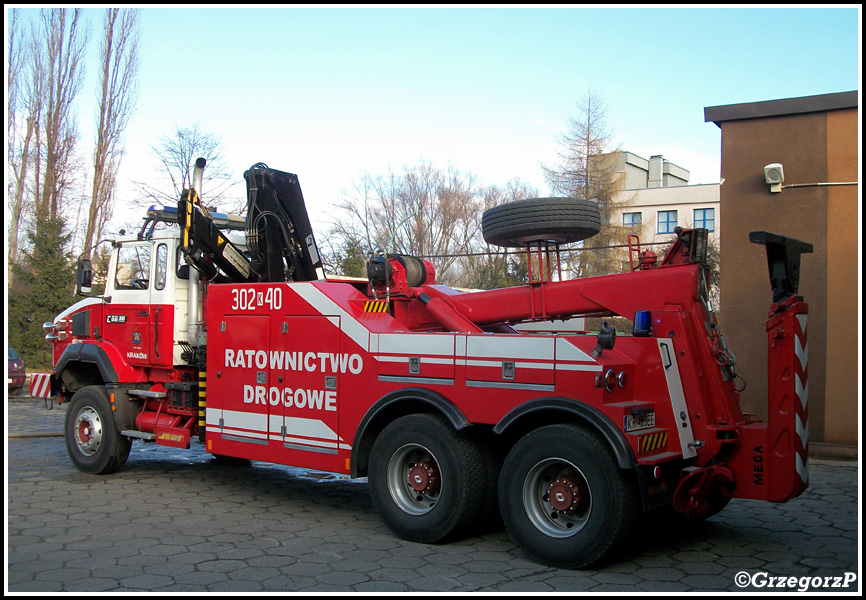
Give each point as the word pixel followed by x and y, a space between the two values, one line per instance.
pixel 242 344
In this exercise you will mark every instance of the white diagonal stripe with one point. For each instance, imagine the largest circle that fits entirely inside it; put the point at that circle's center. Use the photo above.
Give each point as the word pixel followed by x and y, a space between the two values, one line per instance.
pixel 238 419
pixel 802 469
pixel 565 350
pixel 416 344
pixel 802 352
pixel 511 347
pixel 311 428
pixel 802 431
pixel 39 384
pixel 803 319
pixel 801 390
pixel 318 300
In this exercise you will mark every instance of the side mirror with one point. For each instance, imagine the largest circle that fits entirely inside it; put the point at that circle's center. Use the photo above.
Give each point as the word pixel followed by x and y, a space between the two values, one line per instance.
pixel 83 276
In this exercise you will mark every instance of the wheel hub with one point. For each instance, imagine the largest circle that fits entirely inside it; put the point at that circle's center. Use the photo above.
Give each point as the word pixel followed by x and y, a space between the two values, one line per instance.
pixel 557 498
pixel 414 479
pixel 564 495
pixel 88 431
pixel 423 478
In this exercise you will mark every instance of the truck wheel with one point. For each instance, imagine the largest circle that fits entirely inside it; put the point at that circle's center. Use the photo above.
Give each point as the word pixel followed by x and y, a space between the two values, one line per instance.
pixel 560 220
pixel 426 479
pixel 564 498
pixel 490 518
pixel 93 441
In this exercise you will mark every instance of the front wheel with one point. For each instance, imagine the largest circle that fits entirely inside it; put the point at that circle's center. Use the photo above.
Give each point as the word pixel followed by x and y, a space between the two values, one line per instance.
pixel 93 441
pixel 427 480
pixel 565 499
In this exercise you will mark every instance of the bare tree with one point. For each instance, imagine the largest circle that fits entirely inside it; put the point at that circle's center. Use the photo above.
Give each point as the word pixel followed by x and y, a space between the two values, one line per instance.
pixel 16 57
pixel 45 75
pixel 587 136
pixel 586 170
pixel 488 267
pixel 427 212
pixel 176 155
pixel 65 39
pixel 424 212
pixel 18 137
pixel 120 63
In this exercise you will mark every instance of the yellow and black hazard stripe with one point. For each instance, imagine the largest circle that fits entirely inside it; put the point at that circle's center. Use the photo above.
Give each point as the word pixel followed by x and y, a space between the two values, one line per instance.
pixel 653 441
pixel 375 306
pixel 202 403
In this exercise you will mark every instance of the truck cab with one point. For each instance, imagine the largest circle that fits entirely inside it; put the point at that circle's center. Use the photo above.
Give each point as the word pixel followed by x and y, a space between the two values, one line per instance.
pixel 147 314
pixel 143 312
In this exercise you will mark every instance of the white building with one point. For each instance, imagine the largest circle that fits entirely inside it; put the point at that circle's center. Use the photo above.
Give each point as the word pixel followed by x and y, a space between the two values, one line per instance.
pixel 656 198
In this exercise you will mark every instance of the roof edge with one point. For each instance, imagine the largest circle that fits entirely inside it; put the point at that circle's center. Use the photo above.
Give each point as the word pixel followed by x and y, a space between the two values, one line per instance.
pixel 785 106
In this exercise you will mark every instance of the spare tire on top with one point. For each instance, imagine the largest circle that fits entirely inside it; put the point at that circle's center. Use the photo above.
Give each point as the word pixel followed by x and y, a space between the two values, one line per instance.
pixel 558 220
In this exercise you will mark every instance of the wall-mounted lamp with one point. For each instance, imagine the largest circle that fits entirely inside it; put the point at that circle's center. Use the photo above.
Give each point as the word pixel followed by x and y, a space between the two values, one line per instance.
pixel 774 175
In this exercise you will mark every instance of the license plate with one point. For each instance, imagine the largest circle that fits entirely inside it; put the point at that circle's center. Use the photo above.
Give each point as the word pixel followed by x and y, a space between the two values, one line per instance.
pixel 636 422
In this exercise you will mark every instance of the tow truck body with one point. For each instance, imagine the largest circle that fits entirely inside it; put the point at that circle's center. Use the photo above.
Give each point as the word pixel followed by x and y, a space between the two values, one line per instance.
pixel 433 394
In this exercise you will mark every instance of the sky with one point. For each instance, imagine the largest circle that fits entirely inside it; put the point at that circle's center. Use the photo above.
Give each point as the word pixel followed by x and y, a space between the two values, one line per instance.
pixel 335 93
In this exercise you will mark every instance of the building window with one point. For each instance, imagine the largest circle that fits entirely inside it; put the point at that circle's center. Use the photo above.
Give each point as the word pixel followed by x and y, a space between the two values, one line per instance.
pixel 667 221
pixel 631 219
pixel 705 218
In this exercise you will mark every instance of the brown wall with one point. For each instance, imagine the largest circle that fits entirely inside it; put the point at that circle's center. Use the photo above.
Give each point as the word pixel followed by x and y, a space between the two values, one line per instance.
pixel 806 145
pixel 842 287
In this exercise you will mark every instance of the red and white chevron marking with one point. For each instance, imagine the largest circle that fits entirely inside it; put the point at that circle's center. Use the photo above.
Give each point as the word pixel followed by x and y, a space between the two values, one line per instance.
pixel 40 385
pixel 801 387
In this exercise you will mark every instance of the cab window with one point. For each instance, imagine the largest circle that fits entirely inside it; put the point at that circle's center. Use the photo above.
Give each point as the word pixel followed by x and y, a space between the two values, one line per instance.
pixel 161 266
pixel 181 269
pixel 133 268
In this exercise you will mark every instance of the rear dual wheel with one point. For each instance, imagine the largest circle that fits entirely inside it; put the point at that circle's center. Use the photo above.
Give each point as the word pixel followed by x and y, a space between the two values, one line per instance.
pixel 427 481
pixel 565 499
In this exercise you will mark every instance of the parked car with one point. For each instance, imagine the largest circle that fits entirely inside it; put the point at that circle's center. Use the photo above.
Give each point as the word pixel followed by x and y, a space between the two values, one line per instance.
pixel 17 374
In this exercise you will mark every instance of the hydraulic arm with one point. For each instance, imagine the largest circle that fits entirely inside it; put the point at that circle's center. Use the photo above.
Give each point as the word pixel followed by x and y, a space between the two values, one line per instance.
pixel 205 247
pixel 280 241
pixel 279 234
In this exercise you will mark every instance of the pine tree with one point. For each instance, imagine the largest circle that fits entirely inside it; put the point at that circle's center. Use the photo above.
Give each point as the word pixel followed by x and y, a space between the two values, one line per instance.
pixel 586 170
pixel 354 261
pixel 40 290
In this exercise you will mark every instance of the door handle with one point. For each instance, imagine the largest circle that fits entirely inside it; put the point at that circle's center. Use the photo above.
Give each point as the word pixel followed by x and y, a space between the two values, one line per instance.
pixel 156 332
pixel 666 356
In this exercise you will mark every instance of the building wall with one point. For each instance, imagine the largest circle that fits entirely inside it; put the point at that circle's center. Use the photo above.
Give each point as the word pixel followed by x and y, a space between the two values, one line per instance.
pixel 842 278
pixel 684 199
pixel 650 186
pixel 813 147
pixel 637 172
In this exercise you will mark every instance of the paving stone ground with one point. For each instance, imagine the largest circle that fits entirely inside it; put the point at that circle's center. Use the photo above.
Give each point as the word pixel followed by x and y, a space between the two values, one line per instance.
pixel 179 521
